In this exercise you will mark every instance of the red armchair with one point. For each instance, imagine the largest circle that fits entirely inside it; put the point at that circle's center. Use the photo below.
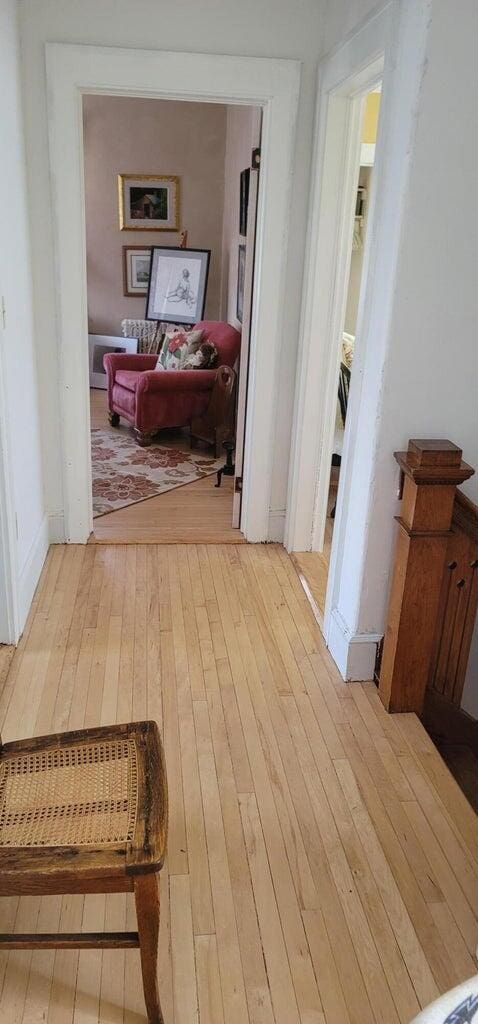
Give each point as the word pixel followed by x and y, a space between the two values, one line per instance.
pixel 150 399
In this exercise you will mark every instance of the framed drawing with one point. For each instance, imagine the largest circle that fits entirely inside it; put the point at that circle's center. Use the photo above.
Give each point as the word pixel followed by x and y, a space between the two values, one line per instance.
pixel 136 264
pixel 148 202
pixel 244 200
pixel 241 273
pixel 177 284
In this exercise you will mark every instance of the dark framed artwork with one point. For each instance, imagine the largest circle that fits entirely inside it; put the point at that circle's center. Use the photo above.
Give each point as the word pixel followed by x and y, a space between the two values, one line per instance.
pixel 241 275
pixel 136 267
pixel 148 202
pixel 244 200
pixel 177 284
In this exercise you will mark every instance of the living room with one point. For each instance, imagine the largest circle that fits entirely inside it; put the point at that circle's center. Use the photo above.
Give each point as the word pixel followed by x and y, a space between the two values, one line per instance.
pixel 172 178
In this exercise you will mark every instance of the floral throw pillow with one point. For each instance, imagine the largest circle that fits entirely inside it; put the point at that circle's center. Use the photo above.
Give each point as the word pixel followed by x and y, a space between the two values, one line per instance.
pixel 175 348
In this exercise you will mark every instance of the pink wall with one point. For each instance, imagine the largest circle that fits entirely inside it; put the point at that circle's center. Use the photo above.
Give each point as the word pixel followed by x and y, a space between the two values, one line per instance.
pixel 142 136
pixel 243 133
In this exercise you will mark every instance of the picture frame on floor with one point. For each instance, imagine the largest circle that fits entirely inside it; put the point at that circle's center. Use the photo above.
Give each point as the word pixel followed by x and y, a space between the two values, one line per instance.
pixel 136 270
pixel 99 345
pixel 177 284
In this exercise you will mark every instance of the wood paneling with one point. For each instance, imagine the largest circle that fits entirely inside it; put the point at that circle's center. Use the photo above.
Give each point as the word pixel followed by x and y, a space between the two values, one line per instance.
pixel 322 862
pixel 430 470
pixel 458 604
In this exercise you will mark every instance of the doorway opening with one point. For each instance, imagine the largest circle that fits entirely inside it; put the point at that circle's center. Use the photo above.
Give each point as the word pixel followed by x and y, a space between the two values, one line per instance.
pixel 168 367
pixel 313 566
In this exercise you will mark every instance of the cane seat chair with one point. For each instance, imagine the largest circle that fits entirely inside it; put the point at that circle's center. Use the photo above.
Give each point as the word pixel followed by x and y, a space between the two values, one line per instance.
pixel 86 812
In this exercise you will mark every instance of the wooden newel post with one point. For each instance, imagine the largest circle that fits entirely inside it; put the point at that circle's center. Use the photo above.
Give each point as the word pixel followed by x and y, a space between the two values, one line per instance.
pixel 431 471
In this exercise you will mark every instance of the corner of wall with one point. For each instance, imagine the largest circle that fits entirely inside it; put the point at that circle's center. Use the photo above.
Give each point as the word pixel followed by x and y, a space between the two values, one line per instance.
pixel 30 573
pixel 353 653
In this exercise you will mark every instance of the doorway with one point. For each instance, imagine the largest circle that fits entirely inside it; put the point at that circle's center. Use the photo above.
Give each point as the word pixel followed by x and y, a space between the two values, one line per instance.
pixel 313 566
pixel 271 85
pixel 172 482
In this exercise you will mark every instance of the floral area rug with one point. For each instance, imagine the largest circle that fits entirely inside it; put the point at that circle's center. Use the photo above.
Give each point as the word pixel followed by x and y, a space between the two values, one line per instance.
pixel 124 473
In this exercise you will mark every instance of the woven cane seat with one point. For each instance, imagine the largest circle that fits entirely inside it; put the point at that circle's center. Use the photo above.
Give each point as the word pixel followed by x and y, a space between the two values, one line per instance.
pixel 70 795
pixel 98 797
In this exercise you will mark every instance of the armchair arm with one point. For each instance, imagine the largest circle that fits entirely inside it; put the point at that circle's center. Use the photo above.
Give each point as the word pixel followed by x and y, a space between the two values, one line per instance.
pixel 177 380
pixel 113 361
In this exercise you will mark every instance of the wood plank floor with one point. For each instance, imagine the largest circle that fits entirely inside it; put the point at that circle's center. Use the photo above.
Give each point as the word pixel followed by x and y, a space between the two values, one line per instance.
pixel 197 512
pixel 313 566
pixel 322 862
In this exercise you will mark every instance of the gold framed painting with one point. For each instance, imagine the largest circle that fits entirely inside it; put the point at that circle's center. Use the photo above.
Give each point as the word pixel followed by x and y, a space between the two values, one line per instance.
pixel 148 202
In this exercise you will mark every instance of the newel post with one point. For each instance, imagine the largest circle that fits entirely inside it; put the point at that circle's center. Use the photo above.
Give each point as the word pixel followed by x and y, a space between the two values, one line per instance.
pixel 430 471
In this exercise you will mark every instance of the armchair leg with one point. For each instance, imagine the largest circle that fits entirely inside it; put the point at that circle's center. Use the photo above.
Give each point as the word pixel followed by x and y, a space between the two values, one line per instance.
pixel 146 892
pixel 113 419
pixel 144 440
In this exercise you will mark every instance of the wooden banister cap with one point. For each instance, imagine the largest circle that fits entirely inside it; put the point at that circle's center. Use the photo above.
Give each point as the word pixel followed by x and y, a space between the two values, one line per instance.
pixel 434 460
pixel 433 452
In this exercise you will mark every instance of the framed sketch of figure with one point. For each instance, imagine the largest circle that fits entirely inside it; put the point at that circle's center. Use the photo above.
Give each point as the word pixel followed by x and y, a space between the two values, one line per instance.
pixel 177 284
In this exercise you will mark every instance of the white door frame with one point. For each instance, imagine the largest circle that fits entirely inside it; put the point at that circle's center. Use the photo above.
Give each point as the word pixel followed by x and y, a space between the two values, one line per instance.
pixel 9 591
pixel 390 46
pixel 73 70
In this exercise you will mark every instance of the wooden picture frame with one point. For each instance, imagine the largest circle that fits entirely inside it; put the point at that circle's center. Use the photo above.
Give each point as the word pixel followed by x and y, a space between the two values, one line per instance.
pixel 244 200
pixel 135 283
pixel 148 202
pixel 241 274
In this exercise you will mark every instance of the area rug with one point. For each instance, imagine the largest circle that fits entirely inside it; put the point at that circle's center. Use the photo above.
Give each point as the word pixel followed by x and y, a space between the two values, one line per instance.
pixel 124 473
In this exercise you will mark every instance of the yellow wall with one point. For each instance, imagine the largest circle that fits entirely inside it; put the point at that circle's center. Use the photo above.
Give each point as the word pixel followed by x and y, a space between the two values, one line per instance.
pixel 370 120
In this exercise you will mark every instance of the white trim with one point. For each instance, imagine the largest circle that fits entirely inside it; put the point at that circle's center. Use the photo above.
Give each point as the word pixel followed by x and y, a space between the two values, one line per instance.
pixel 10 622
pixel 367 154
pixel 395 39
pixel 272 84
pixel 353 653
pixel 30 573
pixel 329 249
pixel 276 525
pixel 56 527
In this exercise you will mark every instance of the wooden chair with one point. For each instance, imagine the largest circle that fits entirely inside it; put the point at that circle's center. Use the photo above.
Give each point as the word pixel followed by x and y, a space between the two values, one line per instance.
pixel 216 425
pixel 86 812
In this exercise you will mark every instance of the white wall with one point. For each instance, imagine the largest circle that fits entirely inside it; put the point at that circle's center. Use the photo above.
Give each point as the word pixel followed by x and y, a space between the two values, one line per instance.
pixel 18 368
pixel 126 134
pixel 427 386
pixel 469 700
pixel 274 28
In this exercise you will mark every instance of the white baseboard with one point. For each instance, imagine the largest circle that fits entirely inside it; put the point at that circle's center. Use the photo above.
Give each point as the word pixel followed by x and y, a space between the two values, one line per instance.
pixel 56 527
pixel 30 573
pixel 276 525
pixel 353 653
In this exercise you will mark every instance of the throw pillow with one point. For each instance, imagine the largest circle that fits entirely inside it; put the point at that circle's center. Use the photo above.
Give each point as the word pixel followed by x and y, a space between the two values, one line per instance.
pixel 201 357
pixel 175 348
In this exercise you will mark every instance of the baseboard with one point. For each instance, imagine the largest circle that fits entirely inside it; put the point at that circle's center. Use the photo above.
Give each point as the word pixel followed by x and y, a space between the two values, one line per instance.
pixel 276 525
pixel 30 573
pixel 353 653
pixel 56 527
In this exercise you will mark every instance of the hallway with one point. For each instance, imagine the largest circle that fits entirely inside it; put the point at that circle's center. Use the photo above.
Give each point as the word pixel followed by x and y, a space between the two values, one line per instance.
pixel 322 861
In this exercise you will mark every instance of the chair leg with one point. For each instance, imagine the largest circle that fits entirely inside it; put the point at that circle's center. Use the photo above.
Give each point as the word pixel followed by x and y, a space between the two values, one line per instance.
pixel 146 892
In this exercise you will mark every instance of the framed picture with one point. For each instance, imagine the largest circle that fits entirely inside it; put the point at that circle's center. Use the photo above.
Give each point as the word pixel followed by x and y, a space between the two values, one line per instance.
pixel 99 345
pixel 136 265
pixel 177 284
pixel 244 200
pixel 148 202
pixel 241 273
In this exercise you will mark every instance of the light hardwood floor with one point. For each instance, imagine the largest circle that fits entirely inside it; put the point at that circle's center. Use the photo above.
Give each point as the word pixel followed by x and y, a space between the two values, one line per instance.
pixel 313 566
pixel 197 512
pixel 322 861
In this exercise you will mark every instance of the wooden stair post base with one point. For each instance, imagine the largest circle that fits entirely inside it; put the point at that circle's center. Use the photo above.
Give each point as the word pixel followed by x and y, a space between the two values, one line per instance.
pixel 431 471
